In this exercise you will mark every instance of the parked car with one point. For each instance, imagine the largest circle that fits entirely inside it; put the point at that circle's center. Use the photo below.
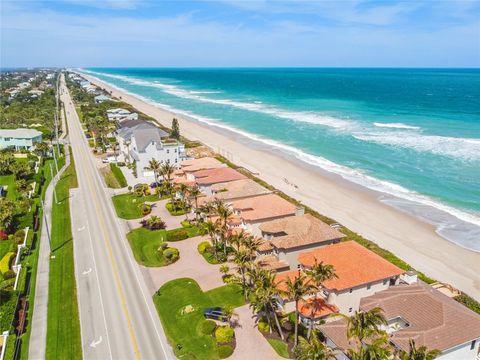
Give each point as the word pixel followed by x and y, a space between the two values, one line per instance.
pixel 154 184
pixel 109 159
pixel 215 313
pixel 136 186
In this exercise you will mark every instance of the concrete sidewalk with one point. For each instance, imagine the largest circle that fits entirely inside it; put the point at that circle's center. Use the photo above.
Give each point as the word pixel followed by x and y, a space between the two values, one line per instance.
pixel 38 335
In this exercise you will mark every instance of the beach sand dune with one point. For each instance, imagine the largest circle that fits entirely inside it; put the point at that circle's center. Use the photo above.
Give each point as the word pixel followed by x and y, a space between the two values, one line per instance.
pixel 410 239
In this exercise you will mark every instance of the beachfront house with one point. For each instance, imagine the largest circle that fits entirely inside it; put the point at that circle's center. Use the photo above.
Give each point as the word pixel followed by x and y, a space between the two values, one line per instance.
pixel 205 179
pixel 234 190
pixel 250 213
pixel 140 142
pixel 19 139
pixel 285 239
pixel 120 115
pixel 101 98
pixel 421 313
pixel 360 273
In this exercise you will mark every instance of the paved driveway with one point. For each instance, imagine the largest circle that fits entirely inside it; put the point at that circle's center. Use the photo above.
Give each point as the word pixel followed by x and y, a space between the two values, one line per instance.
pixel 159 209
pixel 191 264
pixel 250 342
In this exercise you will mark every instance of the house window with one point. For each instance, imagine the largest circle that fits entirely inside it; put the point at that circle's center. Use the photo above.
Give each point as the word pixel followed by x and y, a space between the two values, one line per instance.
pixel 176 160
pixel 369 286
pixel 472 345
pixel 350 291
pixel 168 151
pixel 175 151
pixel 350 310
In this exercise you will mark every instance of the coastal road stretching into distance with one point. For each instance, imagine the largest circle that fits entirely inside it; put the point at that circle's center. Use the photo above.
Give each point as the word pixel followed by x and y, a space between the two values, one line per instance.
pixel 117 315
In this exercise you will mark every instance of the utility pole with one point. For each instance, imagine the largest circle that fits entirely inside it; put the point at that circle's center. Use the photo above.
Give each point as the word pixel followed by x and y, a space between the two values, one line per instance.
pixel 46 225
pixel 54 191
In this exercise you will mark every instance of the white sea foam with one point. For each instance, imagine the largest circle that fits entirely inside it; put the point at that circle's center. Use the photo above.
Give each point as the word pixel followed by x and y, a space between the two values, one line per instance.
pixel 354 175
pixel 298 116
pixel 458 148
pixel 395 126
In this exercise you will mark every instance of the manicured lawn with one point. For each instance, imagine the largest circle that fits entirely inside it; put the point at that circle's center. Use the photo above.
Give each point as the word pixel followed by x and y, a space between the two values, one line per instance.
pixel 145 244
pixel 117 172
pixel 63 325
pixel 182 328
pixel 280 347
pixel 128 206
pixel 9 182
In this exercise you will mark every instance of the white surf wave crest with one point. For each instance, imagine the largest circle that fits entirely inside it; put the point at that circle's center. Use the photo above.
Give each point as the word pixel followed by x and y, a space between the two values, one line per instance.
pixel 258 106
pixel 396 126
pixel 464 148
pixel 457 148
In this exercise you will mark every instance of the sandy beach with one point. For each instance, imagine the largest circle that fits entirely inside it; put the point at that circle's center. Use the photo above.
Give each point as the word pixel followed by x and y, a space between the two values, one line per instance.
pixel 409 238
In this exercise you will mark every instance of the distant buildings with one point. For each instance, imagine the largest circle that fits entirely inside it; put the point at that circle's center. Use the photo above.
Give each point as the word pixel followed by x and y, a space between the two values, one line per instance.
pixel 19 139
pixel 120 115
pixel 101 98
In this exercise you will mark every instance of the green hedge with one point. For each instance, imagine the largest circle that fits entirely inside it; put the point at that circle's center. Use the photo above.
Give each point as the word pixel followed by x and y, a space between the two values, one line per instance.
pixel 225 351
pixel 177 235
pixel 117 172
pixel 224 334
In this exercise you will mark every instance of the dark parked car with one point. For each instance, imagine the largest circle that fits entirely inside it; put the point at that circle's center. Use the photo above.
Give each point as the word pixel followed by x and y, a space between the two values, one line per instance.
pixel 136 186
pixel 215 313
pixel 154 185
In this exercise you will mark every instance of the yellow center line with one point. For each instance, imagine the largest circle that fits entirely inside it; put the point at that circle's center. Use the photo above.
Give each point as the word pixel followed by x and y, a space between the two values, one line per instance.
pixel 112 258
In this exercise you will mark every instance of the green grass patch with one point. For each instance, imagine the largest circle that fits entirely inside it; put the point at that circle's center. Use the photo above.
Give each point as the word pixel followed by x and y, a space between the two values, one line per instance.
pixel 110 179
pixel 280 347
pixel 5 262
pixel 147 247
pixel 5 247
pixel 183 328
pixel 128 206
pixel 8 181
pixel 117 172
pixel 63 325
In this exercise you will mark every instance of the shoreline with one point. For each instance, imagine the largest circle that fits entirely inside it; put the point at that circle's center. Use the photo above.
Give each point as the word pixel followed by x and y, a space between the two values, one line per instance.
pixel 358 208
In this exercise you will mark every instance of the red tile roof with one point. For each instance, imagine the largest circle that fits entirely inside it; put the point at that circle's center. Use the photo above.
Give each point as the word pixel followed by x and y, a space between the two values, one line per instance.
pixel 316 308
pixel 263 207
pixel 354 265
pixel 214 176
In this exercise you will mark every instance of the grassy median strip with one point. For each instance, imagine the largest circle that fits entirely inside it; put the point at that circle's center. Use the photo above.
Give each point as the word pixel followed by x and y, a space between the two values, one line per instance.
pixel 117 172
pixel 63 325
pixel 180 304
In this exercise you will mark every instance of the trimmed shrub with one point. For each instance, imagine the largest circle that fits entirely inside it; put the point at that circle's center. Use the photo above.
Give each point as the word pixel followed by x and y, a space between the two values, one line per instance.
pixel 203 246
pixel 207 327
pixel 224 334
pixel 225 351
pixel 171 254
pixel 263 326
pixel 5 262
pixel 18 237
pixel 146 209
pixel 177 234
pixel 117 172
pixel 9 274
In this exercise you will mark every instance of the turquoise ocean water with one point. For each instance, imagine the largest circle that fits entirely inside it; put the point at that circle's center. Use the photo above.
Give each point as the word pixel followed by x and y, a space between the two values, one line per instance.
pixel 413 134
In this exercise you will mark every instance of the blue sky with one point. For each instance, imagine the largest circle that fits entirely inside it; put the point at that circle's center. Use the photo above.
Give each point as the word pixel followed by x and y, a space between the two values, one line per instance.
pixel 116 33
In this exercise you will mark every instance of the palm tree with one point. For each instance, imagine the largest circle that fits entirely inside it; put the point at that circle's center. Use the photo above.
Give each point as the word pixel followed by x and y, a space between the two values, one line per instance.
pixel 421 353
pixel 313 349
pixel 376 349
pixel 224 213
pixel 296 290
pixel 195 193
pixel 167 170
pixel 185 190
pixel 319 273
pixel 41 148
pixel 242 259
pixel 155 166
pixel 211 229
pixel 265 294
pixel 365 324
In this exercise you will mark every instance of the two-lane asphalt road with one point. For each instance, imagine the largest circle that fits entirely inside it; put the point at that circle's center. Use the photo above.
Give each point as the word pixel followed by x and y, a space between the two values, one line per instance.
pixel 117 315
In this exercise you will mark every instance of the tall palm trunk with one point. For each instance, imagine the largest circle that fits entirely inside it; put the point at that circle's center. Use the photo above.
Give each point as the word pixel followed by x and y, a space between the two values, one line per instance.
pixel 296 324
pixel 277 323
